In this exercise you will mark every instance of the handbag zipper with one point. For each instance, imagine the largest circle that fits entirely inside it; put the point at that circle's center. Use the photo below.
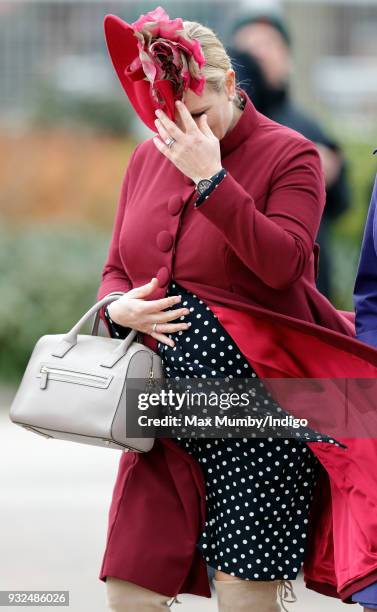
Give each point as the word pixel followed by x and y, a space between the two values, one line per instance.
pixel 150 377
pixel 152 380
pixel 71 376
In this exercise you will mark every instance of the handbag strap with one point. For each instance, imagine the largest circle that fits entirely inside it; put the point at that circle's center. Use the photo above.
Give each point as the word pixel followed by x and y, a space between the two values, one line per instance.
pixel 97 318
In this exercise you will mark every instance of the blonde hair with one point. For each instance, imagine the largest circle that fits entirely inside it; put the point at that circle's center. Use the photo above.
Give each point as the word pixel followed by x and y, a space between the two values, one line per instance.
pixel 217 59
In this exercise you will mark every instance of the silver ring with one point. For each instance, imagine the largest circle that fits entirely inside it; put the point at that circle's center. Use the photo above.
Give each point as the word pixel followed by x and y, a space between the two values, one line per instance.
pixel 154 326
pixel 169 141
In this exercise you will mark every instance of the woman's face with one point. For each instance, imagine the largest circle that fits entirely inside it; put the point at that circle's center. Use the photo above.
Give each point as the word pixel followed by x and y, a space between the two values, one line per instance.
pixel 217 106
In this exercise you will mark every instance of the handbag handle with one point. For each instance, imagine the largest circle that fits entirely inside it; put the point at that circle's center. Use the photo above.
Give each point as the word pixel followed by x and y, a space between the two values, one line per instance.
pixel 69 340
pixel 97 318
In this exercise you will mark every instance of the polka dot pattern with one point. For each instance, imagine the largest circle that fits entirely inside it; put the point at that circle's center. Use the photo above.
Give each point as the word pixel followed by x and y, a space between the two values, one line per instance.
pixel 258 490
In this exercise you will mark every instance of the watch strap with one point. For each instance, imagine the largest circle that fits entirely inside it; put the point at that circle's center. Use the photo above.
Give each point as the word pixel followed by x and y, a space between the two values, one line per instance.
pixel 215 181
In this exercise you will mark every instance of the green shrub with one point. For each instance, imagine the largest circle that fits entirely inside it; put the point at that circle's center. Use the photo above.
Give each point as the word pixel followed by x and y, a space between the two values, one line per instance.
pixel 347 233
pixel 49 276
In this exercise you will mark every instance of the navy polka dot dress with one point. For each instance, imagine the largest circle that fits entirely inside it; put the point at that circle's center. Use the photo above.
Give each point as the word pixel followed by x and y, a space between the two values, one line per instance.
pixel 258 490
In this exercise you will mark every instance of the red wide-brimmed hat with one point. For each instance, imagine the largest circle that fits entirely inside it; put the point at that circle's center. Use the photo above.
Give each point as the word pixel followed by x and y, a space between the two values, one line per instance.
pixel 155 61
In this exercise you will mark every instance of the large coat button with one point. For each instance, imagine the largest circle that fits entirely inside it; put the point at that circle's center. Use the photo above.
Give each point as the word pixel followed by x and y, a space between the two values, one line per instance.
pixel 163 276
pixel 175 204
pixel 164 240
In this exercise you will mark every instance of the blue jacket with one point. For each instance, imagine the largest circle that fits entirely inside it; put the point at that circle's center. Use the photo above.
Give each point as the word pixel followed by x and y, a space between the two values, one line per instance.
pixel 365 291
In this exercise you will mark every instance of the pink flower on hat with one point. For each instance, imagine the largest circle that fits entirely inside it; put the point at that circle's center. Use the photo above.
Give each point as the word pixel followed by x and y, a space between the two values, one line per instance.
pixel 166 52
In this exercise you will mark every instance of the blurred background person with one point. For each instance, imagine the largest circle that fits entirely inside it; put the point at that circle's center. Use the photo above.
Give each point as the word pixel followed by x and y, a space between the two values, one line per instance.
pixel 265 38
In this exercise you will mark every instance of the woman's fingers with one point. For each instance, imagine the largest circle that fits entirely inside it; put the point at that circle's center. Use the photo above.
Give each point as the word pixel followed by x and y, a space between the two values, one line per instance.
pixel 169 328
pixel 153 306
pixel 204 127
pixel 139 292
pixel 164 134
pixel 171 127
pixel 167 315
pixel 150 305
pixel 162 147
pixel 162 338
pixel 187 120
pixel 135 309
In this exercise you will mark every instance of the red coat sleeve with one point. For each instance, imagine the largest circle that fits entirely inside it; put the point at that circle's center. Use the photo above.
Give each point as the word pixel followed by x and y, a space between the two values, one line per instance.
pixel 276 244
pixel 114 277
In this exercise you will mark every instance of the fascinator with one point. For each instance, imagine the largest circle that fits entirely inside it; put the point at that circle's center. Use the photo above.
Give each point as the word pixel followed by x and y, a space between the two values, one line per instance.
pixel 155 60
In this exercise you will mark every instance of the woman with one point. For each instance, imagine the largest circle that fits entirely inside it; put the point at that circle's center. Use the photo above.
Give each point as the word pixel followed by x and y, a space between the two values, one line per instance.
pixel 221 207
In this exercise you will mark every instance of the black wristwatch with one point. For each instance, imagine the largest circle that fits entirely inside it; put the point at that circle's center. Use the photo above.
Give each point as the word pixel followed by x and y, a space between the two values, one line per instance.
pixel 204 184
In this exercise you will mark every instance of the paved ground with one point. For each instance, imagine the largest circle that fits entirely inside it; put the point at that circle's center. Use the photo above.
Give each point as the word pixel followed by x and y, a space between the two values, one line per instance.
pixel 54 502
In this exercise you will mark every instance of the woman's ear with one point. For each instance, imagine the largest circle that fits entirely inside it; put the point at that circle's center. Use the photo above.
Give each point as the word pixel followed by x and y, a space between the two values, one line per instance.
pixel 230 82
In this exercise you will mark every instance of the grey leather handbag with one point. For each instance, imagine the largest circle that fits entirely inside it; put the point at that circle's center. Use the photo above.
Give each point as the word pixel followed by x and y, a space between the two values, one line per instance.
pixel 74 386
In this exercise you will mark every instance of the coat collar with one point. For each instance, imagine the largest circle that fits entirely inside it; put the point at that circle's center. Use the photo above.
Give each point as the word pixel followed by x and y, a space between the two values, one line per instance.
pixel 245 125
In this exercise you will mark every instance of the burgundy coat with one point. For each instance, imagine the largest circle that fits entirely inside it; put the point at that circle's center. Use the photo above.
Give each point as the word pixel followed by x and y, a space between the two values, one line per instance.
pixel 249 253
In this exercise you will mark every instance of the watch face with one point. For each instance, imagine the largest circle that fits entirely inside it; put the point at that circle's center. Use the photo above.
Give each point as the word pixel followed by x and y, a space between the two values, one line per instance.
pixel 203 185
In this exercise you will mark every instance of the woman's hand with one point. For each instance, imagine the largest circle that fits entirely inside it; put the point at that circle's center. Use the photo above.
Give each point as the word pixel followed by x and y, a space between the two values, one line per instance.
pixel 195 152
pixel 132 310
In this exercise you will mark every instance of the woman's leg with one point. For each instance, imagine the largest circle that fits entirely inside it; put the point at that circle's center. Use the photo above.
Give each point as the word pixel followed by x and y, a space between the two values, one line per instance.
pixel 235 594
pixel 223 576
pixel 124 596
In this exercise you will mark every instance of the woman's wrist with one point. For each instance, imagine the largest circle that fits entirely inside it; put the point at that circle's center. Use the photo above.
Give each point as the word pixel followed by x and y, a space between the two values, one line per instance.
pixel 113 314
pixel 116 329
pixel 208 175
pixel 215 181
